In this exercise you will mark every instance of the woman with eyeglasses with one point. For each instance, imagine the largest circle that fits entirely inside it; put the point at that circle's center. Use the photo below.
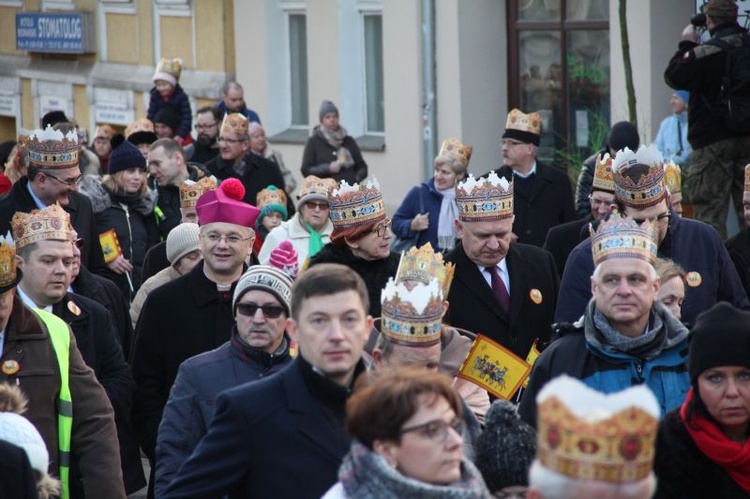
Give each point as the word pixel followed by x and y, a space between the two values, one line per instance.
pixel 406 431
pixel 123 202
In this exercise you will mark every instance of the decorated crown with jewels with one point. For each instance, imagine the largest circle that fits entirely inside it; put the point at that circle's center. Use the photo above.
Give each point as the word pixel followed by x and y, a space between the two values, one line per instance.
pixel 603 179
pixel 191 190
pixel 587 435
pixel 484 199
pixel 639 177
pixel 622 237
pixel 51 223
pixel 356 205
pixel 235 123
pixel 52 149
pixel 8 270
pixel 453 148
pixel 423 265
pixel 673 177
pixel 412 317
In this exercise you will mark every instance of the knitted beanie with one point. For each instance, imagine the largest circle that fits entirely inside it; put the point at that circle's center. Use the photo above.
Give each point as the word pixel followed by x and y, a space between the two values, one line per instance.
pixel 623 134
pixel 18 430
pixel 124 155
pixel 265 278
pixel 506 448
pixel 325 108
pixel 720 337
pixel 182 240
pixel 166 116
pixel 285 257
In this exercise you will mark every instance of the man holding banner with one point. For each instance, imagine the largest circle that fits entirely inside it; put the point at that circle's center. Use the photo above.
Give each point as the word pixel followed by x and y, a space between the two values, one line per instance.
pixel 626 337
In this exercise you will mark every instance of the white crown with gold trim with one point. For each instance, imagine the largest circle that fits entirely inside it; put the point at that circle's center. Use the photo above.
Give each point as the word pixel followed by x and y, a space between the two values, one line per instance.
pixel 52 149
pixel 484 199
pixel 412 317
pixel 639 177
pixel 356 205
pixel 587 435
pixel 673 177
pixel 51 223
pixel 622 237
pixel 423 265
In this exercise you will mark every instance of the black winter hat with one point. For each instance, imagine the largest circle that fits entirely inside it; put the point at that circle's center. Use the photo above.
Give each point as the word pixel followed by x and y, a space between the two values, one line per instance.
pixel 506 447
pixel 166 116
pixel 720 337
pixel 124 155
pixel 52 118
pixel 623 134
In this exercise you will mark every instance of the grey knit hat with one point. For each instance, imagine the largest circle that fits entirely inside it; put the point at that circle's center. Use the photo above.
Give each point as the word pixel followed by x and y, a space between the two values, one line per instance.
pixel 506 448
pixel 265 278
pixel 182 240
pixel 325 108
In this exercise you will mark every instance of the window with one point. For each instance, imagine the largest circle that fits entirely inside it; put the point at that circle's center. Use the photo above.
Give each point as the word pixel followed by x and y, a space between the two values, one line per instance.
pixel 559 67
pixel 298 69
pixel 373 62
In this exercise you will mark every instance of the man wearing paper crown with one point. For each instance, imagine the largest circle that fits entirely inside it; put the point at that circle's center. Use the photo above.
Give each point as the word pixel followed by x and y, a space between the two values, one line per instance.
pixel 543 196
pixel 738 246
pixel 38 342
pixel 673 180
pixel 592 445
pixel 53 175
pixel 192 314
pixel 45 236
pixel 562 239
pixel 640 193
pixel 504 290
pixel 626 335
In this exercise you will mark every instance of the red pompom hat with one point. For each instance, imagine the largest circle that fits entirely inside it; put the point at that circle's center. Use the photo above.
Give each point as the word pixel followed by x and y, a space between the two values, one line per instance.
pixel 225 205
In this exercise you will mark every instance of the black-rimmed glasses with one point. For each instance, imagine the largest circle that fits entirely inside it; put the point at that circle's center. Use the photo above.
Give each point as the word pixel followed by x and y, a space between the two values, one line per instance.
pixel 659 218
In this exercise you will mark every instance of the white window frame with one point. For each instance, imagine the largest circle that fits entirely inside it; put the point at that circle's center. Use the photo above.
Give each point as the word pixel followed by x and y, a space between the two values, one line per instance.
pixel 112 7
pixel 363 15
pixel 11 3
pixel 58 5
pixel 12 85
pixel 173 8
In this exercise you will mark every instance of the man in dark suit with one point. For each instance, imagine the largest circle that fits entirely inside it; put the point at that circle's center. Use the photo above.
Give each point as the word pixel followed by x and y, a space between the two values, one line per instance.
pixel 543 196
pixel 284 436
pixel 501 289
pixel 562 239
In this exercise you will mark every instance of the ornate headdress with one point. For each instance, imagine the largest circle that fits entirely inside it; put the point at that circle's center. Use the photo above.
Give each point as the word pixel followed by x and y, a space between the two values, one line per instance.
pixel 50 223
pixel 412 318
pixel 52 149
pixel 141 132
pixel 587 435
pixel 169 70
pixel 639 177
pixel 484 199
pixel 269 196
pixel 235 123
pixel 524 127
pixel 191 190
pixel 424 265
pixel 356 205
pixel 603 179
pixel 673 177
pixel 8 272
pixel 621 237
pixel 453 148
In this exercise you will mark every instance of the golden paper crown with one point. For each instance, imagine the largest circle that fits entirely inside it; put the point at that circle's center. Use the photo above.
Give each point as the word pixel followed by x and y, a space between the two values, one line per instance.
pixel 424 265
pixel 141 125
pixel 484 199
pixel 170 66
pixel 412 317
pixel 52 149
pixel 190 190
pixel 586 435
pixel 453 148
pixel 639 177
pixel 268 196
pixel 747 177
pixel 673 177
pixel 356 205
pixel 316 187
pixel 529 123
pixel 621 237
pixel 603 179
pixel 8 271
pixel 51 223
pixel 235 123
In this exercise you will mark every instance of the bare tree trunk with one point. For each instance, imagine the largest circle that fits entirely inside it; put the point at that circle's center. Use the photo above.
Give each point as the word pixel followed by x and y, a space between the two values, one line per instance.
pixel 626 62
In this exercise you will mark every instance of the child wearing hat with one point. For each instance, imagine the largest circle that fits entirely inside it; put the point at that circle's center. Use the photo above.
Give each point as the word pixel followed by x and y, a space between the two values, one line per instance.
pixel 167 93
pixel 272 204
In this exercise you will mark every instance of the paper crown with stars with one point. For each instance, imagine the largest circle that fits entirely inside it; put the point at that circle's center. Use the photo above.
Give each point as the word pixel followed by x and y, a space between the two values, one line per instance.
pixel 412 317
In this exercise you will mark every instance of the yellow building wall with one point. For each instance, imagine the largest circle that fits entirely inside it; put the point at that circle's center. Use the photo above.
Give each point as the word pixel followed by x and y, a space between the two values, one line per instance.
pixel 230 64
pixel 145 43
pixel 27 105
pixel 122 38
pixel 199 103
pixel 8 31
pixel 176 38
pixel 140 106
pixel 208 26
pixel 81 106
pixel 7 128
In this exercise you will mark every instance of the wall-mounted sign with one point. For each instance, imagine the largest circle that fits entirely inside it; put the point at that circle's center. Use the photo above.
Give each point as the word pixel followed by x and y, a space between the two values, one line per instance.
pixel 70 33
pixel 8 103
pixel 49 103
pixel 115 113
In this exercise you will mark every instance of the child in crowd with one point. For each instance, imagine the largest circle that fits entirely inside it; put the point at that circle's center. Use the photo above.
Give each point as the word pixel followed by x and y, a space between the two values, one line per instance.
pixel 168 93
pixel 272 204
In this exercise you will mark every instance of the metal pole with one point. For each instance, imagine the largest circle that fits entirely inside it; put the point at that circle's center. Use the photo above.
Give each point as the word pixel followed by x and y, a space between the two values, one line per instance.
pixel 429 106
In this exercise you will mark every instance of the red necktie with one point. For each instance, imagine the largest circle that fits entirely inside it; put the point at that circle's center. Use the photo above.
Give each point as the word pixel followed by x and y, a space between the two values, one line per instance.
pixel 499 290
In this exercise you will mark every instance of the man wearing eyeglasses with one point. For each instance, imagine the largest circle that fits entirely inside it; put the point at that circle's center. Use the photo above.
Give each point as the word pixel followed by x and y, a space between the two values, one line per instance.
pixel 258 348
pixel 640 193
pixel 53 175
pixel 206 146
pixel 193 313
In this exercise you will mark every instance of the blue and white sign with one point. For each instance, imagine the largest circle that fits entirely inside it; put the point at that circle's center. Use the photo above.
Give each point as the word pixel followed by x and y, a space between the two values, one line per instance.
pixel 70 33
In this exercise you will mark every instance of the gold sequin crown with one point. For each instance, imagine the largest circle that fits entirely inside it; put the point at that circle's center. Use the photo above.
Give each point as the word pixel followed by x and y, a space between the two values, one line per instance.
pixel 484 199
pixel 453 148
pixel 50 223
pixel 412 317
pixel 622 237
pixel 639 177
pixel 52 149
pixel 191 190
pixel 587 435
pixel 673 177
pixel 356 205
pixel 424 265
pixel 603 179
pixel 8 271
pixel 235 123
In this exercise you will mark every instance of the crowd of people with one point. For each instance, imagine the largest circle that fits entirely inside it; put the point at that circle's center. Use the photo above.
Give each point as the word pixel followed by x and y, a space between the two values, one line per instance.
pixel 177 297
